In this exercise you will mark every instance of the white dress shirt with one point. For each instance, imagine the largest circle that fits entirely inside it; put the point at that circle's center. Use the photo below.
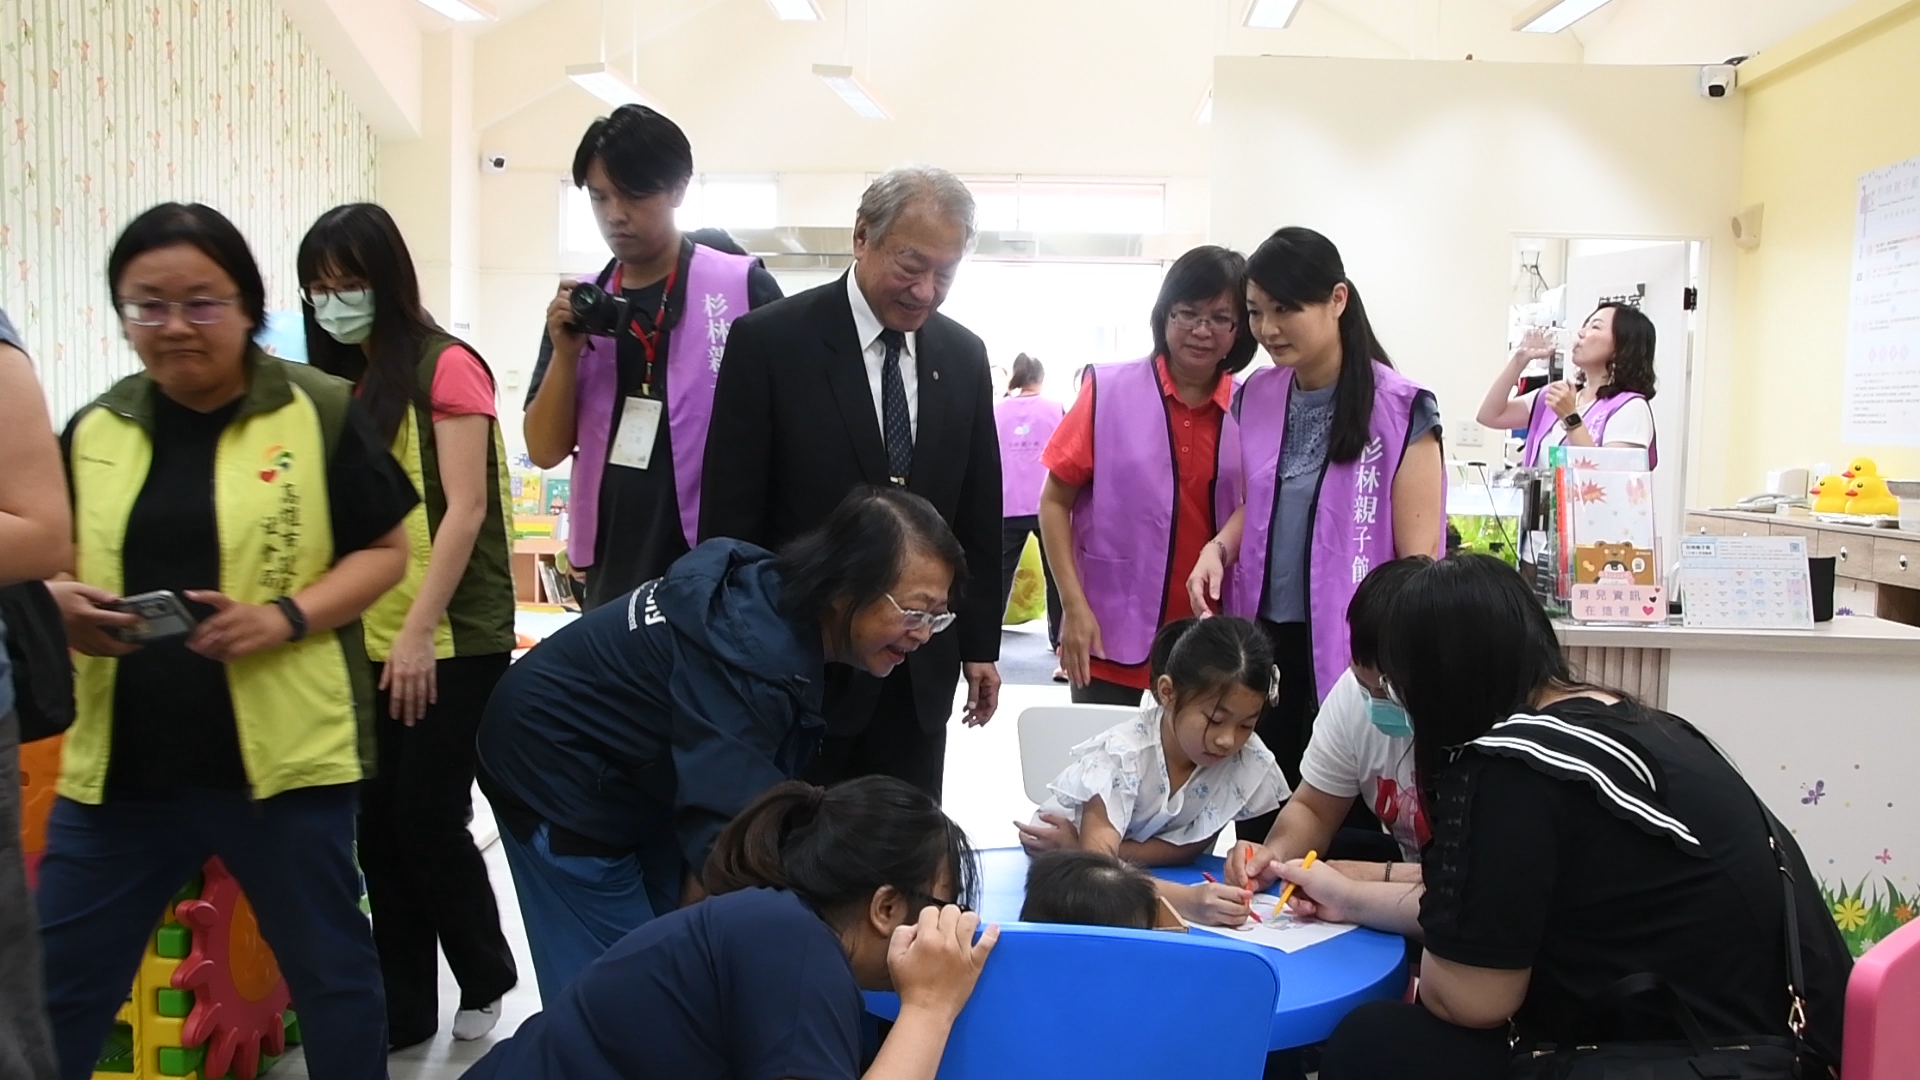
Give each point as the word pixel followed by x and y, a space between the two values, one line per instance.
pixel 867 327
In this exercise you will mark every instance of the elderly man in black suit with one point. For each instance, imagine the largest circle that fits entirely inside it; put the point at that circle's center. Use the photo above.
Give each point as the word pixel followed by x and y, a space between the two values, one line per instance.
pixel 862 381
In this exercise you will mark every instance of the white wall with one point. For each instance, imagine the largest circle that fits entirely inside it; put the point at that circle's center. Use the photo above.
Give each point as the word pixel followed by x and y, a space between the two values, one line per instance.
pixel 1423 173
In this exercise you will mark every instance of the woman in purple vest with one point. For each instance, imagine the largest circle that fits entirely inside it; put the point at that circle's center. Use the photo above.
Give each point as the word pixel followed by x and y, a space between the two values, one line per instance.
pixel 1341 459
pixel 1025 421
pixel 1141 474
pixel 1609 403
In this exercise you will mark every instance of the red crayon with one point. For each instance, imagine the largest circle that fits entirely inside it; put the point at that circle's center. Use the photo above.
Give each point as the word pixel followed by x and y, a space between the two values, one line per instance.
pixel 1215 881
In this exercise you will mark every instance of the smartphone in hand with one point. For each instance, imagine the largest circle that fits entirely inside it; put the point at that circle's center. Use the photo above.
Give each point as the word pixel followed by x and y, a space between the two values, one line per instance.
pixel 163 617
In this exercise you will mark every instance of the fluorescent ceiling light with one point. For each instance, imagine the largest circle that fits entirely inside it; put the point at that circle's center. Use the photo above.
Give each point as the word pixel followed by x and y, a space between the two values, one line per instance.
pixel 1271 14
pixel 1553 16
pixel 841 79
pixel 462 10
pixel 608 85
pixel 795 10
pixel 1204 114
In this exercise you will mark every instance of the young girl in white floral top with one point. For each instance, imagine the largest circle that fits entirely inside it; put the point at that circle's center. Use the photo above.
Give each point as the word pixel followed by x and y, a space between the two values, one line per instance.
pixel 1157 789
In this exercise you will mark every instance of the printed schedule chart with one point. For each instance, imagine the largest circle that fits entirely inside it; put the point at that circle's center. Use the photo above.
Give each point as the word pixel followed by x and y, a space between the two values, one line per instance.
pixel 1746 582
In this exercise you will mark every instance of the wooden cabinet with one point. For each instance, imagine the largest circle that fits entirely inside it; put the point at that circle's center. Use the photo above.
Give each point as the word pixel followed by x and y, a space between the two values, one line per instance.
pixel 1852 553
pixel 1705 525
pixel 1793 528
pixel 1896 561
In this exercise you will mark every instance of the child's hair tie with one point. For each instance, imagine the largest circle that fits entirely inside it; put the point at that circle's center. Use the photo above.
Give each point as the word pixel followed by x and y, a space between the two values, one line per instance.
pixel 1273 685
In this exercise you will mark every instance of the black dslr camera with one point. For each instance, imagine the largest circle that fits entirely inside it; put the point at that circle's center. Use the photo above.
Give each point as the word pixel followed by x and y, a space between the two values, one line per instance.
pixel 596 311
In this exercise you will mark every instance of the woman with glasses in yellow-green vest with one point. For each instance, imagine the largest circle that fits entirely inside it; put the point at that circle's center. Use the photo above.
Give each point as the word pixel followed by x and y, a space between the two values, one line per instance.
pixel 253 497
pixel 442 638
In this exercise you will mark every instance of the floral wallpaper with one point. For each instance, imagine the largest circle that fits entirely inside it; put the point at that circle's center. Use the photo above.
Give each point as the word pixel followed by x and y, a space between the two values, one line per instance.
pixel 110 106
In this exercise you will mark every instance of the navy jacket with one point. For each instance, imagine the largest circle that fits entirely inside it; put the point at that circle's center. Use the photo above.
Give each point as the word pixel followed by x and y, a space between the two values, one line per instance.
pixel 660 714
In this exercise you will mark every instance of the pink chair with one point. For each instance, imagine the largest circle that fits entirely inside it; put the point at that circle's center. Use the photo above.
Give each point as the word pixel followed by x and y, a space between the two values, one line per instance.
pixel 1882 1040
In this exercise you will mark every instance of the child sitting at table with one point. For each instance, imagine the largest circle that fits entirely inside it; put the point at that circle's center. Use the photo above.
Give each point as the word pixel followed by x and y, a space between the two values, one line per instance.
pixel 1157 789
pixel 1091 888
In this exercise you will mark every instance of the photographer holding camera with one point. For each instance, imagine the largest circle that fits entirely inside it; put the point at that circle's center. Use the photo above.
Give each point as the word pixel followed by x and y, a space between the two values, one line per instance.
pixel 625 378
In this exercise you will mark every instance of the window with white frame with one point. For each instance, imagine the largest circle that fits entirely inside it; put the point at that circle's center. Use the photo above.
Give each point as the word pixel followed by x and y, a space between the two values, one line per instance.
pixel 725 202
pixel 1022 204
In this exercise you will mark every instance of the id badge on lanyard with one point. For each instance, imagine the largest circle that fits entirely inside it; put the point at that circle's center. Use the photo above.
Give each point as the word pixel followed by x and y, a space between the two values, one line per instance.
pixel 640 415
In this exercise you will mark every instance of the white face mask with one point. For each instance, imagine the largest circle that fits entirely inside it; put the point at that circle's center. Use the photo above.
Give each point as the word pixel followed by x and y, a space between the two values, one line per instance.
pixel 347 316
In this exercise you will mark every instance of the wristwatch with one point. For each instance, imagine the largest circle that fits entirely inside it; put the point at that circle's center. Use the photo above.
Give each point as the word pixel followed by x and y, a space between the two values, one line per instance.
pixel 295 617
pixel 1572 421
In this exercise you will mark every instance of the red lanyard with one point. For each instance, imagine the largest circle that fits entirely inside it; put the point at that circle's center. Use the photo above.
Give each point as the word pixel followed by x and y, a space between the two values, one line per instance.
pixel 649 339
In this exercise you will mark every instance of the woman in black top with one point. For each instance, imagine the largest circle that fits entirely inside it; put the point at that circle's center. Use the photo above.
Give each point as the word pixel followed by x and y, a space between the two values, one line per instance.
pixel 1578 838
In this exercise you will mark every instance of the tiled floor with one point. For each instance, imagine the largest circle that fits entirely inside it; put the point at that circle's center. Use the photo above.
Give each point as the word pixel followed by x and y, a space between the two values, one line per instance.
pixel 983 794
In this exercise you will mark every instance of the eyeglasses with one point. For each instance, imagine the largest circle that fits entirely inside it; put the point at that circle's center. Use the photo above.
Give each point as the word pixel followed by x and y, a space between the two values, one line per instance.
pixel 935 621
pixel 200 311
pixel 1193 320
pixel 315 294
pixel 934 900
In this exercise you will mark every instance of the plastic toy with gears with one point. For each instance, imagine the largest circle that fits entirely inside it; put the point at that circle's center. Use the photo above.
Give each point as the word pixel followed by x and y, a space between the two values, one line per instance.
pixel 239 999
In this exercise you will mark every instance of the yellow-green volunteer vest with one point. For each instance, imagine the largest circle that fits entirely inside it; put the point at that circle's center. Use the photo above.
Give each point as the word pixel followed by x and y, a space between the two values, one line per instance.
pixel 304 710
pixel 479 617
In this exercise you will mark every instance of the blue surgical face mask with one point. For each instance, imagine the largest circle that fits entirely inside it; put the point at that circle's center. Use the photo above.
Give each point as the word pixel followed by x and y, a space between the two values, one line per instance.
pixel 347 317
pixel 1391 719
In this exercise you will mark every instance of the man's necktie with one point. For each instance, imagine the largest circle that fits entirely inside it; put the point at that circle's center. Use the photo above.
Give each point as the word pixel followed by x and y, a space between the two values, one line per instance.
pixel 895 425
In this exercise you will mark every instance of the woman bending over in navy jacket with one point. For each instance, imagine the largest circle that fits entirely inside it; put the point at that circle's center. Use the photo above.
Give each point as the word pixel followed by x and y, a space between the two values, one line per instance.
pixel 816 894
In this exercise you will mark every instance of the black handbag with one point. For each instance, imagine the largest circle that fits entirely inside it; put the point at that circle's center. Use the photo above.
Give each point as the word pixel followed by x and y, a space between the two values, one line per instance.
pixel 1695 1056
pixel 37 654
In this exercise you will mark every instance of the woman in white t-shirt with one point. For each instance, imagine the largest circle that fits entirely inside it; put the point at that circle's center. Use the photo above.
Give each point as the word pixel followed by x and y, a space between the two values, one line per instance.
pixel 1607 403
pixel 1362 747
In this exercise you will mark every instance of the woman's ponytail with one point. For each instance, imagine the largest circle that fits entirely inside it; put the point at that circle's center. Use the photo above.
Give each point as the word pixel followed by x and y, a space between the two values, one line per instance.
pixel 1353 402
pixel 833 847
pixel 747 853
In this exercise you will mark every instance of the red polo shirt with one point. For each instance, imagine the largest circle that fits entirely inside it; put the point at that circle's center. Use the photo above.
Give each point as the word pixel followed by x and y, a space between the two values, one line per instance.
pixel 1196 441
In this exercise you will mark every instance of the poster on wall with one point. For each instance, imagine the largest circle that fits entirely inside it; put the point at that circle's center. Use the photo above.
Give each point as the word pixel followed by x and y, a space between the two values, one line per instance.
pixel 1882 401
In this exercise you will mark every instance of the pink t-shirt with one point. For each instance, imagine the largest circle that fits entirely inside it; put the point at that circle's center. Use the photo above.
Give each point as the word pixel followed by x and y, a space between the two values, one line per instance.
pixel 461 386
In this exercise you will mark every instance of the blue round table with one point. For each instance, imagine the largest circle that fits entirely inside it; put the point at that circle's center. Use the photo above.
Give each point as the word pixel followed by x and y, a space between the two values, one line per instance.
pixel 1318 985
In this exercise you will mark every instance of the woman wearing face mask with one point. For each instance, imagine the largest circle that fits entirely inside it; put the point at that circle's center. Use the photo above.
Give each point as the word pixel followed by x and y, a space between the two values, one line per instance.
pixel 1362 749
pixel 1341 459
pixel 258 493
pixel 617 749
pixel 1608 403
pixel 1137 486
pixel 817 894
pixel 442 638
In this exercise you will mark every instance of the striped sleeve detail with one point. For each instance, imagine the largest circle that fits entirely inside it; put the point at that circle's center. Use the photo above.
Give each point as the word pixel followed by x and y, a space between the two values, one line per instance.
pixel 1620 777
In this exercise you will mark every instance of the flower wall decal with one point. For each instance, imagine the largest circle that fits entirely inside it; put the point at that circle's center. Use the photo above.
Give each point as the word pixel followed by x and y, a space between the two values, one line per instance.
pixel 106 110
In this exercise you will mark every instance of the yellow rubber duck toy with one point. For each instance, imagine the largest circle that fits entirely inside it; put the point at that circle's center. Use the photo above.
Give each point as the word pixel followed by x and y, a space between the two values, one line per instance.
pixel 1868 496
pixel 1830 495
pixel 1861 468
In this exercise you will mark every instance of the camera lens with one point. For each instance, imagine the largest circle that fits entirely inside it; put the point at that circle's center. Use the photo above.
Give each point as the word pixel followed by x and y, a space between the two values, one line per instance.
pixel 595 311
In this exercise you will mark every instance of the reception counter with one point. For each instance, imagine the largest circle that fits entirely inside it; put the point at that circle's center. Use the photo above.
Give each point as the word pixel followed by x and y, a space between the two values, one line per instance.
pixel 1824 723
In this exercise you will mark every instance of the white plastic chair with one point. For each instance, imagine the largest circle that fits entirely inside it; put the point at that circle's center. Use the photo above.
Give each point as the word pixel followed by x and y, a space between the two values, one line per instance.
pixel 1048 734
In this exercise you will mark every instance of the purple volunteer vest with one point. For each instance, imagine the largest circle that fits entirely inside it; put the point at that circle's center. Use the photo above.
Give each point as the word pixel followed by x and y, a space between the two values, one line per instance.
pixel 1352 523
pixel 1594 419
pixel 1025 423
pixel 716 295
pixel 1123 521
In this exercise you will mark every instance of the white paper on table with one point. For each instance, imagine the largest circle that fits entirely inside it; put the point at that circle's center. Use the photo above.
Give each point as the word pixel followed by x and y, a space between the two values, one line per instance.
pixel 1279 929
